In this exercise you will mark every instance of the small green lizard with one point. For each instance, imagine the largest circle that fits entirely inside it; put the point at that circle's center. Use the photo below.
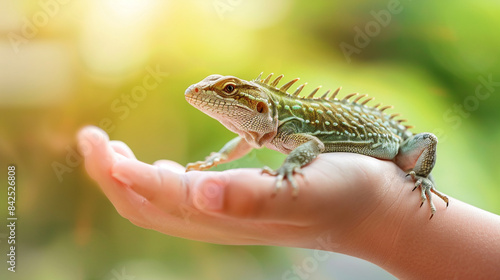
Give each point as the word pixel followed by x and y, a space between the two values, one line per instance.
pixel 303 127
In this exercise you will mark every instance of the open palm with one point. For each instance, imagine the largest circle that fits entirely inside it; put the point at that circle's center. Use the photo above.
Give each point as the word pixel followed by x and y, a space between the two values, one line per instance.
pixel 338 191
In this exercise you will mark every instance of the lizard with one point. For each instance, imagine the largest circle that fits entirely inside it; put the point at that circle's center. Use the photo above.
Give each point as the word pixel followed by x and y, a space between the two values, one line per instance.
pixel 302 127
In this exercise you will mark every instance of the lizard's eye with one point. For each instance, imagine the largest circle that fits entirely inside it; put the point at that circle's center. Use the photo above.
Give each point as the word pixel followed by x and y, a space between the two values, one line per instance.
pixel 229 88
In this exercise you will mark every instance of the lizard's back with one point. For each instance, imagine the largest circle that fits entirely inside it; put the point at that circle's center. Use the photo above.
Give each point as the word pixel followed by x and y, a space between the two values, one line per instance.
pixel 343 125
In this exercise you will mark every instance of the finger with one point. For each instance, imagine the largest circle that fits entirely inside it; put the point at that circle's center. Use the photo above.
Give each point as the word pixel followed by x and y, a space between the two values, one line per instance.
pixel 157 183
pixel 246 194
pixel 122 148
pixel 171 165
pixel 92 143
pixel 169 191
pixel 99 158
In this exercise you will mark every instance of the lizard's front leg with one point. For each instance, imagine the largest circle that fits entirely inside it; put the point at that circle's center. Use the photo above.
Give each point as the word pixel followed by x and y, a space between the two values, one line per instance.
pixel 304 148
pixel 233 150
pixel 421 150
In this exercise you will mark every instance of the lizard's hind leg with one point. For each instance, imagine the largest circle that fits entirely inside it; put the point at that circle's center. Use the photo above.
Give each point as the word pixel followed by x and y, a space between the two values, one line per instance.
pixel 419 152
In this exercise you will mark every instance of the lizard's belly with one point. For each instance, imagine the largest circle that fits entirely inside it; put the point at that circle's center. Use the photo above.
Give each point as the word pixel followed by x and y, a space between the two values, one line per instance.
pixel 383 150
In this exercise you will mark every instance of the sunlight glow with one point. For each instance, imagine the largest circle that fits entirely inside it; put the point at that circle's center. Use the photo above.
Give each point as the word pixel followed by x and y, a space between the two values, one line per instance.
pixel 115 37
pixel 130 10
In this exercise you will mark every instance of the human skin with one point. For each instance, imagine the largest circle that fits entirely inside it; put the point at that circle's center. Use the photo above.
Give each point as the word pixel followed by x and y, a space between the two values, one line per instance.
pixel 347 203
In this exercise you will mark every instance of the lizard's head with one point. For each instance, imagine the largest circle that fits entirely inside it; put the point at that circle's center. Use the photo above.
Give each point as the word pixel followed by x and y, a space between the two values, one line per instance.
pixel 243 107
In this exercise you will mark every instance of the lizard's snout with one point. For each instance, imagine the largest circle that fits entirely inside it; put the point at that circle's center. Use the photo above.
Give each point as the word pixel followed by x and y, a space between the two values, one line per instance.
pixel 191 90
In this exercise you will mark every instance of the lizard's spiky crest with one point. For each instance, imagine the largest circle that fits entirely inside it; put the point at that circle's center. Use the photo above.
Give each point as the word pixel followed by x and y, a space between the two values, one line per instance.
pixel 325 95
pixel 346 98
pixel 386 107
pixel 367 100
pixel 286 86
pixel 266 80
pixel 259 78
pixel 359 100
pixel 359 97
pixel 299 89
pixel 394 115
pixel 277 80
pixel 311 95
pixel 335 93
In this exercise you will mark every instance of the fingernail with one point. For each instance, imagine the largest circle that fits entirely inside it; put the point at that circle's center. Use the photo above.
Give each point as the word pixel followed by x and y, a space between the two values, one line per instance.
pixel 120 177
pixel 209 196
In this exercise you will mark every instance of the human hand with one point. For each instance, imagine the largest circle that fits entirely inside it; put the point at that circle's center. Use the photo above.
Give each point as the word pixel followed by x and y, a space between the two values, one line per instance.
pixel 341 196
pixel 347 203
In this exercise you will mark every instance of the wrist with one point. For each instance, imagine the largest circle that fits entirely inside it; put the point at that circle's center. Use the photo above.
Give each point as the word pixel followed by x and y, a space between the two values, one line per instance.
pixel 391 223
pixel 399 237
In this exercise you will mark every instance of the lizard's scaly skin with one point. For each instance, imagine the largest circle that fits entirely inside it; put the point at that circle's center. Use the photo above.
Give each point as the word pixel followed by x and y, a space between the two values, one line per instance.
pixel 303 127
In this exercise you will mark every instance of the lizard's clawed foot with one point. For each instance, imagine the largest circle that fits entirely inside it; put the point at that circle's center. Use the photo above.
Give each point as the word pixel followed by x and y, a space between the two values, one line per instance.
pixel 209 162
pixel 285 172
pixel 426 187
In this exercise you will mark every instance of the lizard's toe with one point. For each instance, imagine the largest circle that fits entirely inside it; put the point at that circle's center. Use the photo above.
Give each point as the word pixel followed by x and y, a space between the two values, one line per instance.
pixel 426 186
pixel 209 162
pixel 268 170
pixel 283 173
pixel 199 165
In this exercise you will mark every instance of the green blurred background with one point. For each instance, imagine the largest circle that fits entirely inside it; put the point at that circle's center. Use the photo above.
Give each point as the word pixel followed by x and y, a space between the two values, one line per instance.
pixel 66 64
